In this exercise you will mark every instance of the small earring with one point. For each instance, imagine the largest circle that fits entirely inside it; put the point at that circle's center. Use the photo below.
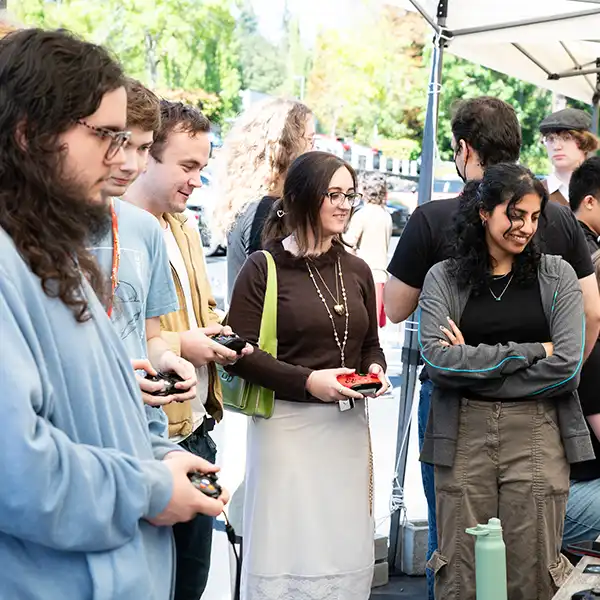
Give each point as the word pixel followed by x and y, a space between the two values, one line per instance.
pixel 483 222
pixel 280 214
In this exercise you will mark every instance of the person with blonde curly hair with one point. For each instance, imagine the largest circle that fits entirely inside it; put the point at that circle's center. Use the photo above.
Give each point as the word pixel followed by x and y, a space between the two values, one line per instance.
pixel 252 166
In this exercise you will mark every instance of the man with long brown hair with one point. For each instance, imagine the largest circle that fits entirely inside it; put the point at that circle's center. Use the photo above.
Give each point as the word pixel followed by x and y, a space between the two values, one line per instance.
pixel 88 495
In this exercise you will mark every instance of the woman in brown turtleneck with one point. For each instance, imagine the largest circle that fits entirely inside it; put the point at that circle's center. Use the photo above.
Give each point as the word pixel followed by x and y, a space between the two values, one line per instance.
pixel 308 528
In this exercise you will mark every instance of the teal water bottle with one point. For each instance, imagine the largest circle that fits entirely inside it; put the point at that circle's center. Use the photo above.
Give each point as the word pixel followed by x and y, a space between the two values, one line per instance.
pixel 490 561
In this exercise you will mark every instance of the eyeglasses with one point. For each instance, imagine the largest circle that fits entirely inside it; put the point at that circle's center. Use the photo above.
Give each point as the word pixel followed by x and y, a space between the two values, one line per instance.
pixel 552 138
pixel 117 138
pixel 338 198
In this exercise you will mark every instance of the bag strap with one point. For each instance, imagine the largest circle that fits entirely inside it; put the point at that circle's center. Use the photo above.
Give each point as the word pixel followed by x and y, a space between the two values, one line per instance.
pixel 267 339
pixel 258 222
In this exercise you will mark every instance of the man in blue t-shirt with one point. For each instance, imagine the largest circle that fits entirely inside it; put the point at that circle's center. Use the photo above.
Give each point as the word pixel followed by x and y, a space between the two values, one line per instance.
pixel 141 289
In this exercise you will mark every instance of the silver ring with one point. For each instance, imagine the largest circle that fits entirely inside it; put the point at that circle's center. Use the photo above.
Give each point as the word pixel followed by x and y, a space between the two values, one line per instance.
pixel 341 391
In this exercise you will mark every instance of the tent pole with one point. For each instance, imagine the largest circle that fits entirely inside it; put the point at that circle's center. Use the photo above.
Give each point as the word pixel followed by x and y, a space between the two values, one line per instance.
pixel 596 101
pixel 410 350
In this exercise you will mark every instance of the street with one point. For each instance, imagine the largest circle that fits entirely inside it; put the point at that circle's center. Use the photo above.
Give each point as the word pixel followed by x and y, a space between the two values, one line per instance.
pixel 230 436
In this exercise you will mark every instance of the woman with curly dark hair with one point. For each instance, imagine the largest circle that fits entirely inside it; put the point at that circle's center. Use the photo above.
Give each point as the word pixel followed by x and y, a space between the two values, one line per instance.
pixel 502 334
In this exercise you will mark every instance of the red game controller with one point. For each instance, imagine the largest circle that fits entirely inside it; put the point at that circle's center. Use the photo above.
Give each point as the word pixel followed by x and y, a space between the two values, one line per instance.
pixel 367 385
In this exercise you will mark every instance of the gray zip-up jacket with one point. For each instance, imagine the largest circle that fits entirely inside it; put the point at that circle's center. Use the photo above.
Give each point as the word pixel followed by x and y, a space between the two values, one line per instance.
pixel 504 371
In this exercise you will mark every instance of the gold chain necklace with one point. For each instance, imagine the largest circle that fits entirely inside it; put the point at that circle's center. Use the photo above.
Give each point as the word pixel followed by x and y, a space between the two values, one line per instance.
pixel 341 346
pixel 338 306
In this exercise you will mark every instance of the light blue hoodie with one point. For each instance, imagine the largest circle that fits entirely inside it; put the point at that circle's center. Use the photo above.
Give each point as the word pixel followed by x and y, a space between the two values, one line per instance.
pixel 79 470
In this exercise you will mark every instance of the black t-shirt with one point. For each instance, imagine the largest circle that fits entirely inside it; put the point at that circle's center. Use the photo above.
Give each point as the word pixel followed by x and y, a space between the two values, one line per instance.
pixel 593 240
pixel 589 384
pixel 517 317
pixel 426 240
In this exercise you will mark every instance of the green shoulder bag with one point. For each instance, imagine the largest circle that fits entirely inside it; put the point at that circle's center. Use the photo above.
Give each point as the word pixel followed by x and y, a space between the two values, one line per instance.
pixel 238 394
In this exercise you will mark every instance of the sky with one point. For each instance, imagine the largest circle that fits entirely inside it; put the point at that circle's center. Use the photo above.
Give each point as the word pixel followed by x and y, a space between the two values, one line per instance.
pixel 313 14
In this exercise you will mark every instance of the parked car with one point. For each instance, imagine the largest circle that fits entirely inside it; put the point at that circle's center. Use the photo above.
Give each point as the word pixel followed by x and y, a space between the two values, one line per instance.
pixel 200 207
pixel 446 188
pixel 400 215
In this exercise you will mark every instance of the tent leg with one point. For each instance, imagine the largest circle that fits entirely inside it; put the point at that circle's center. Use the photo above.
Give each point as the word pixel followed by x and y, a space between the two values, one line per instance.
pixel 596 102
pixel 410 351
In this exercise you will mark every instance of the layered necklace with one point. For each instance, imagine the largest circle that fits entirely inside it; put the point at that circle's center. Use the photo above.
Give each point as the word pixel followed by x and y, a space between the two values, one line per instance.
pixel 340 307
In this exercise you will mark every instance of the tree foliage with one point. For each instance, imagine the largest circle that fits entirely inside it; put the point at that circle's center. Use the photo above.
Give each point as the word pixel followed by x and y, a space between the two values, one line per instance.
pixel 366 83
pixel 463 79
pixel 371 86
pixel 173 44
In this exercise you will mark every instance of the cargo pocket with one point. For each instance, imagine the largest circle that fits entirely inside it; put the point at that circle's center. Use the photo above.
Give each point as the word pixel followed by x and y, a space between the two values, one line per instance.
pixel 560 571
pixel 436 562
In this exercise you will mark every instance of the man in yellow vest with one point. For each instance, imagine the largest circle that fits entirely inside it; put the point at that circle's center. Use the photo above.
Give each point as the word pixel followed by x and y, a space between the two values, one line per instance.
pixel 568 140
pixel 180 151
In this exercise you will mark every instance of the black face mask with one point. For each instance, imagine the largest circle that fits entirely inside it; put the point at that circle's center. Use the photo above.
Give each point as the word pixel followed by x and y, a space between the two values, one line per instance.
pixel 462 177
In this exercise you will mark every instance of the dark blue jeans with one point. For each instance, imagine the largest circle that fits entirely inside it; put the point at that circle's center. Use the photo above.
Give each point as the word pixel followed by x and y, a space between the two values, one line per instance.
pixel 193 540
pixel 427 474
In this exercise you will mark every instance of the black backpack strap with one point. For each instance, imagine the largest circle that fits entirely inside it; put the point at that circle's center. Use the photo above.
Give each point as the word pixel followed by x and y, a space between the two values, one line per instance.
pixel 260 216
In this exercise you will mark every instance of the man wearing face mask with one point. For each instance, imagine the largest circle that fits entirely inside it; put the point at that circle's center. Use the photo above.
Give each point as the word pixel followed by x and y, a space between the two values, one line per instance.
pixel 485 131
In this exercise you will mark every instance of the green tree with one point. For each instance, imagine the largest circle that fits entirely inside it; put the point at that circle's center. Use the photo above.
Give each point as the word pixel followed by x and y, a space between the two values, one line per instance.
pixel 463 79
pixel 371 86
pixel 174 44
pixel 261 65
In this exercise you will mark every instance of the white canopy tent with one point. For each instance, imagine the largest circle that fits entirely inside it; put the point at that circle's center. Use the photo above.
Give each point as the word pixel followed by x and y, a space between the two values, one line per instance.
pixel 554 44
pixel 551 43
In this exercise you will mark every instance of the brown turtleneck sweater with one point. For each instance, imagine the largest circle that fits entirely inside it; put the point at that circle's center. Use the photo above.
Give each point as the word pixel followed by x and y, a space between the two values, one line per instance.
pixel 304 331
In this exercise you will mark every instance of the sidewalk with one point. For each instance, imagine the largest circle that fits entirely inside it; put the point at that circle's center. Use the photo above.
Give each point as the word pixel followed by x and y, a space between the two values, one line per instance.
pixel 402 588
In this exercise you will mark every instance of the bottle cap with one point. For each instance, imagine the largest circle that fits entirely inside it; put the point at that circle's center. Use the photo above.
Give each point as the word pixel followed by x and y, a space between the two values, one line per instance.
pixel 493 527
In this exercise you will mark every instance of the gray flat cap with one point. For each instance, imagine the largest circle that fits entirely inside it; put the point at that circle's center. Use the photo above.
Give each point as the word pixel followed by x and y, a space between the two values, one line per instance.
pixel 567 119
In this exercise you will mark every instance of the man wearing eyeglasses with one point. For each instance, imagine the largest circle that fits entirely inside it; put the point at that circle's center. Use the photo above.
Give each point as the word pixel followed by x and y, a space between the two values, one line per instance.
pixel 134 259
pixel 568 141
pixel 88 494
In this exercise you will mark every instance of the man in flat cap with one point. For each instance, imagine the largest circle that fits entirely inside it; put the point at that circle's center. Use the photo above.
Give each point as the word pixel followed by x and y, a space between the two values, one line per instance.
pixel 569 141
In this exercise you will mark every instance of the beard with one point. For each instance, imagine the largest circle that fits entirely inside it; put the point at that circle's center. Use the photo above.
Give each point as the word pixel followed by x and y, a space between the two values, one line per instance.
pixel 98 220
pixel 91 218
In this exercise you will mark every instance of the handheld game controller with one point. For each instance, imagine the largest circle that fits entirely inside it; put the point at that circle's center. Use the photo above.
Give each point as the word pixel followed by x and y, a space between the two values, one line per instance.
pixel 586 594
pixel 367 385
pixel 233 342
pixel 171 379
pixel 207 483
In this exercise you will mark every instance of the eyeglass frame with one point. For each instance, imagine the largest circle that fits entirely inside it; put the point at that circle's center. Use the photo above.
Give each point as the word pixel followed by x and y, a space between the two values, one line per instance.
pixel 565 135
pixel 117 138
pixel 356 195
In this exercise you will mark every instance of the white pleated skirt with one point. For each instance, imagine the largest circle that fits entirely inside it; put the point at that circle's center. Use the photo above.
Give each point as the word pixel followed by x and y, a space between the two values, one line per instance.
pixel 308 533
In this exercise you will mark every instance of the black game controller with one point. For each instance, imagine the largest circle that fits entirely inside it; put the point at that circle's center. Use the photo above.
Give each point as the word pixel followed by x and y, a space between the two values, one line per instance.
pixel 586 594
pixel 207 483
pixel 171 379
pixel 233 342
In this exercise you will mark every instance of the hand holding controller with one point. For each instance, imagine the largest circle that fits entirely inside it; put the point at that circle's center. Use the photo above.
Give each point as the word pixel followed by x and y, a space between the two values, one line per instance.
pixel 367 385
pixel 233 342
pixel 170 380
pixel 207 483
